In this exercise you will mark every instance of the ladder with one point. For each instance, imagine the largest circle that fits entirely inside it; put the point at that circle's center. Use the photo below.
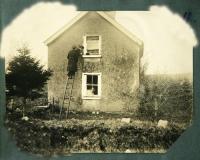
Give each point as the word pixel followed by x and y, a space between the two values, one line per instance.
pixel 67 95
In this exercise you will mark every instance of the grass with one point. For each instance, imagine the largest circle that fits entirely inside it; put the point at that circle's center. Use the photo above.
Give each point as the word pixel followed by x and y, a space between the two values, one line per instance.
pixel 110 134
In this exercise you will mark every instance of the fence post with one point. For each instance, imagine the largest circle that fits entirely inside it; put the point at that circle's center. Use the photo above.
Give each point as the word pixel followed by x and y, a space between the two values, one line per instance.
pixel 53 102
pixel 156 106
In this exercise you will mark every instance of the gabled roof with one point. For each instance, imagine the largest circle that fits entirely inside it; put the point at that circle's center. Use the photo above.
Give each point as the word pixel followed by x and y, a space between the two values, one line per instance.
pixel 102 14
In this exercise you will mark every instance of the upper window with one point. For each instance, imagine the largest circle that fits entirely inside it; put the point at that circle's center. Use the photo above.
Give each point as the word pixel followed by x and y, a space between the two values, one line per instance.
pixel 92 46
pixel 91 85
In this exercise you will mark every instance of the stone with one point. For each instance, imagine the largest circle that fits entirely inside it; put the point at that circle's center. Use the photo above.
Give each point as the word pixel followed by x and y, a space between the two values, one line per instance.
pixel 126 120
pixel 7 121
pixel 128 151
pixel 162 123
pixel 18 110
pixel 44 134
pixel 25 118
pixel 46 106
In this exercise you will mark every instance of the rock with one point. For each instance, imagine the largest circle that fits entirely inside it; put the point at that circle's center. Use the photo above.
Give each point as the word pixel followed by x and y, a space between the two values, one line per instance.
pixel 41 126
pixel 93 112
pixel 25 118
pixel 44 134
pixel 18 110
pixel 128 151
pixel 126 120
pixel 46 106
pixel 162 123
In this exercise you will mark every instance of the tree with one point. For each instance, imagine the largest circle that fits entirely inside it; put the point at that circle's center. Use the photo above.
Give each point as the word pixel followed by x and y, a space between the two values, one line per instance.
pixel 25 77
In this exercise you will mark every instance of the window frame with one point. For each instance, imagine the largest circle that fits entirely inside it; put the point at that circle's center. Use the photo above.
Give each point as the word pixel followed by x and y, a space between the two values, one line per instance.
pixel 84 86
pixel 85 46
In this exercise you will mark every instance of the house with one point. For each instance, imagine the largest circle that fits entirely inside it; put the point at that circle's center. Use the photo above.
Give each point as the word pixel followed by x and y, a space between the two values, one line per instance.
pixel 108 78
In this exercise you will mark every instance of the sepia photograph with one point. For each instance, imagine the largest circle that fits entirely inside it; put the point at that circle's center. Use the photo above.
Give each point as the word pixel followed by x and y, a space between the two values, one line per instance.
pixel 98 81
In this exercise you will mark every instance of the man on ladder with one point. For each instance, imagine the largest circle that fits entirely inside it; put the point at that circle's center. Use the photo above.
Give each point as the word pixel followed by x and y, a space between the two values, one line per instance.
pixel 73 58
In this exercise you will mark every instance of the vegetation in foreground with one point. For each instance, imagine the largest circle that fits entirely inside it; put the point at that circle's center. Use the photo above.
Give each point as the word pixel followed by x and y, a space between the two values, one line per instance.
pixel 48 137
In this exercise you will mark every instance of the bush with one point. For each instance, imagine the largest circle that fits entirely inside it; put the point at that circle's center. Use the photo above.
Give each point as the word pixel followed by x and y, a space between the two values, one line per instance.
pixel 94 136
pixel 165 97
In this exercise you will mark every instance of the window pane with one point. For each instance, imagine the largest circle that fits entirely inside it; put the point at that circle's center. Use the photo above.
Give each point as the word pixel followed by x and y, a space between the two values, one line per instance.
pixel 89 87
pixel 89 79
pixel 92 44
pixel 90 90
pixel 95 79
pixel 92 52
pixel 95 90
pixel 92 38
pixel 92 47
pixel 92 85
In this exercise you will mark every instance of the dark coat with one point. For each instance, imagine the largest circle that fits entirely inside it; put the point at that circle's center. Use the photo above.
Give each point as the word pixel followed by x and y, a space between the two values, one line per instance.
pixel 73 56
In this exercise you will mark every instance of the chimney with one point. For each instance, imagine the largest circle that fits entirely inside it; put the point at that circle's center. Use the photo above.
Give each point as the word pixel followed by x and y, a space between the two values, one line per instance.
pixel 111 14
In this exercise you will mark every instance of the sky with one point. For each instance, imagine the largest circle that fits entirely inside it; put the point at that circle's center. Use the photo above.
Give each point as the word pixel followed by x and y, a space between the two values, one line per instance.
pixel 168 39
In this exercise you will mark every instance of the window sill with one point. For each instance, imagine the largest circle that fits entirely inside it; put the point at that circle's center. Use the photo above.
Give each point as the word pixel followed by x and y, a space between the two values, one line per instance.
pixel 93 97
pixel 91 56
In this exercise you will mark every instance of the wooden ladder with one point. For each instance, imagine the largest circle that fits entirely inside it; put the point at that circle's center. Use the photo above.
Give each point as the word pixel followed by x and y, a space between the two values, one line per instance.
pixel 67 95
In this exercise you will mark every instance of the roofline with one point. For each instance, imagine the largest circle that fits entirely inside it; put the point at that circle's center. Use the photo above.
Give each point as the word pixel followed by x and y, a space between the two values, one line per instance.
pixel 101 13
pixel 64 28
pixel 141 50
pixel 120 27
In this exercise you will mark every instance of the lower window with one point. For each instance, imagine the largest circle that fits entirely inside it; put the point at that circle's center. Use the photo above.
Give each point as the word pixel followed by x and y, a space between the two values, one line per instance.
pixel 91 85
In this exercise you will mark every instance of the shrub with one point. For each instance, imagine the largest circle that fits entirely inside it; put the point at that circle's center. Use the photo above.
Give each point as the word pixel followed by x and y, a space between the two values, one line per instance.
pixel 166 97
pixel 78 135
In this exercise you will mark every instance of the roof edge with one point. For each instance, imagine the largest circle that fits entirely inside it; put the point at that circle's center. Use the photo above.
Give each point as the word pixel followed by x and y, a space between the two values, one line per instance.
pixel 121 28
pixel 64 28
pixel 101 13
